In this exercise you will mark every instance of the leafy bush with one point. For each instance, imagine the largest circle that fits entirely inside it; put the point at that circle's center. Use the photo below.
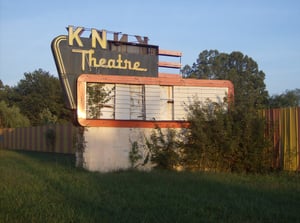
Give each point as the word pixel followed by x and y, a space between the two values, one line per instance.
pixel 227 140
pixel 11 117
pixel 164 148
pixel 218 140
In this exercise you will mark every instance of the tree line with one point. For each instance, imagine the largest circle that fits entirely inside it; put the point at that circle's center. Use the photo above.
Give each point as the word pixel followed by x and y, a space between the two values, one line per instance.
pixel 37 99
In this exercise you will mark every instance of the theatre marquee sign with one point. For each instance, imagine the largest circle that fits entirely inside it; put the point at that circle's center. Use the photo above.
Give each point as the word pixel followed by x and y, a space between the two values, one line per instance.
pixel 96 53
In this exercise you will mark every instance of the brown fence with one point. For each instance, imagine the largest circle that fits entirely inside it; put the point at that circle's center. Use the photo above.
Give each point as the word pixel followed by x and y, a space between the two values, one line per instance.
pixel 58 138
pixel 284 129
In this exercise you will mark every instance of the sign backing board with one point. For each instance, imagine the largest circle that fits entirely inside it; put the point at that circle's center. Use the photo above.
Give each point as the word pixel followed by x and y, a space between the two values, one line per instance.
pixel 84 55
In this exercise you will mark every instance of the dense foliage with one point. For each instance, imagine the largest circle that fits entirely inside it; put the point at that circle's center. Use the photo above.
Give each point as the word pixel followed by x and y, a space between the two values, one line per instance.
pixel 290 98
pixel 11 116
pixel 164 149
pixel 217 140
pixel 227 140
pixel 39 98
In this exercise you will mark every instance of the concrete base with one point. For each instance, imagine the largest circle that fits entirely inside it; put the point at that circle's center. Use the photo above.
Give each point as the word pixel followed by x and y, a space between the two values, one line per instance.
pixel 107 148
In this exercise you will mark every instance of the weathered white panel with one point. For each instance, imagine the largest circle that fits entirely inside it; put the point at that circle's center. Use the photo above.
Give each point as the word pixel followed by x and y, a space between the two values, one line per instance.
pixel 152 102
pixel 182 98
pixel 122 102
pixel 136 102
pixel 186 95
pixel 108 148
pixel 166 102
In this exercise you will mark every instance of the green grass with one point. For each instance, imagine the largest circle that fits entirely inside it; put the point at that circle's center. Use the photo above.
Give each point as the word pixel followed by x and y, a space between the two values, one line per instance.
pixel 41 187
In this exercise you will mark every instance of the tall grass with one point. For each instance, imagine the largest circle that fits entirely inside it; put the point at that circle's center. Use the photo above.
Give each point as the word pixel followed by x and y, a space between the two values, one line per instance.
pixel 41 187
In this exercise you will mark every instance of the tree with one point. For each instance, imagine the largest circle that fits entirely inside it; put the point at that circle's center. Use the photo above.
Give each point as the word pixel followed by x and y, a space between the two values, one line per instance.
pixel 39 95
pixel 5 93
pixel 11 117
pixel 290 98
pixel 248 80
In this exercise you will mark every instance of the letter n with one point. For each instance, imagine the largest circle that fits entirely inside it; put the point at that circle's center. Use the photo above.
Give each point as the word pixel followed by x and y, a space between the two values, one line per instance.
pixel 101 39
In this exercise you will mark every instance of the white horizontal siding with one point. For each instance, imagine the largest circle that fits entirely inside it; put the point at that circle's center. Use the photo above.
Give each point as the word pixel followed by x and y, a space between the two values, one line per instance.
pixel 155 102
pixel 152 102
pixel 122 106
pixel 185 96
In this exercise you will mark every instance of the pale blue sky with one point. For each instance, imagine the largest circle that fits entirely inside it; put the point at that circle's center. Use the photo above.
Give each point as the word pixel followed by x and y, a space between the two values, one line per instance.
pixel 267 31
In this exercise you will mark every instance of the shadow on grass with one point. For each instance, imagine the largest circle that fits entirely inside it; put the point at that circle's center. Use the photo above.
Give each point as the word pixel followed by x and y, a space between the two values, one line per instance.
pixel 67 160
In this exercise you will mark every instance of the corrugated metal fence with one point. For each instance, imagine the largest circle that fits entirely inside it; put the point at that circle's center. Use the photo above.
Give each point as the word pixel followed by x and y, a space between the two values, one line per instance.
pixel 59 138
pixel 284 129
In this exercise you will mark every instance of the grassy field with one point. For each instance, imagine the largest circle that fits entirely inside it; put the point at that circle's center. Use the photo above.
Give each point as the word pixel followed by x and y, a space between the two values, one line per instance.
pixel 41 187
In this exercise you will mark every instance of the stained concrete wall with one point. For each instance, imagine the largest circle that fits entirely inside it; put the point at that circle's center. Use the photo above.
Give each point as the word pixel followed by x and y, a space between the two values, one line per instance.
pixel 107 148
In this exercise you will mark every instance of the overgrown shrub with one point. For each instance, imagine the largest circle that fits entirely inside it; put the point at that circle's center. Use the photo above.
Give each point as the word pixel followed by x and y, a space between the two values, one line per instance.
pixel 11 117
pixel 210 137
pixel 164 148
pixel 219 139
pixel 224 139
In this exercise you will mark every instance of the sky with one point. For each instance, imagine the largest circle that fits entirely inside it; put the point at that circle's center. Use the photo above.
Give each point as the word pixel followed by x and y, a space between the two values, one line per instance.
pixel 268 31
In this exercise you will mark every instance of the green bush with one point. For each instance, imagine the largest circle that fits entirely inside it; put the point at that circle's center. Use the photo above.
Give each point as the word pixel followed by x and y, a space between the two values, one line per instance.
pixel 11 117
pixel 164 149
pixel 219 139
